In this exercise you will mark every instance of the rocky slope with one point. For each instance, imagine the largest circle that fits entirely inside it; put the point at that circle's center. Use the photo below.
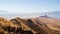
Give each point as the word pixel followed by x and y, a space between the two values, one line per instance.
pixel 36 25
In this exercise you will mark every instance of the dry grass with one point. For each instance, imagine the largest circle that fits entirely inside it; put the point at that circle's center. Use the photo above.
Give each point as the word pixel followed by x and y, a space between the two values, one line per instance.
pixel 38 25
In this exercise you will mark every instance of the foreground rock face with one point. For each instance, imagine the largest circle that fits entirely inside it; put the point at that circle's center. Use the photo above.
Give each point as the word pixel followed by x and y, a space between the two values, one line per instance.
pixel 38 25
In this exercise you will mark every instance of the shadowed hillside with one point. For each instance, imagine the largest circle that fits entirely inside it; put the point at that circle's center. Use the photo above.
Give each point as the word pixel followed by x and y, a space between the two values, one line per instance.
pixel 36 25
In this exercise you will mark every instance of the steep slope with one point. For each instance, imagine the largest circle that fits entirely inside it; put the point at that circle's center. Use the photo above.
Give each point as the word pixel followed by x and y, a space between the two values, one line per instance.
pixel 52 23
pixel 31 24
pixel 36 25
pixel 6 27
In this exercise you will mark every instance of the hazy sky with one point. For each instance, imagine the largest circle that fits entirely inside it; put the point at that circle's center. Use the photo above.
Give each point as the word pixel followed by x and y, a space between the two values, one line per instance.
pixel 29 6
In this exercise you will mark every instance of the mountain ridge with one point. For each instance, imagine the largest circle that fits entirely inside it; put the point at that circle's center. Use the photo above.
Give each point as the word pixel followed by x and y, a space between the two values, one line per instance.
pixel 36 25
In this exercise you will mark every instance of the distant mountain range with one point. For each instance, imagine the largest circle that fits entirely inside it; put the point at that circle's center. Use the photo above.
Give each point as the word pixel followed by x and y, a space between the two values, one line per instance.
pixel 55 14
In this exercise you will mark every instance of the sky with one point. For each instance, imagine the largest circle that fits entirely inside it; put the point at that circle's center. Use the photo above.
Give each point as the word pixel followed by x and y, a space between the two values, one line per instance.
pixel 29 6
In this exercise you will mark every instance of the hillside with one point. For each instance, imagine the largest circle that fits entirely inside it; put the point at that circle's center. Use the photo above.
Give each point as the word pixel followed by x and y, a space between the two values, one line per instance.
pixel 36 25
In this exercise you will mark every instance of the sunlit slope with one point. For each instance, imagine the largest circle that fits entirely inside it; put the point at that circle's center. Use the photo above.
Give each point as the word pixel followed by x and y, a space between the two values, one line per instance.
pixel 31 24
pixel 4 24
pixel 7 22
pixel 36 25
pixel 52 23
